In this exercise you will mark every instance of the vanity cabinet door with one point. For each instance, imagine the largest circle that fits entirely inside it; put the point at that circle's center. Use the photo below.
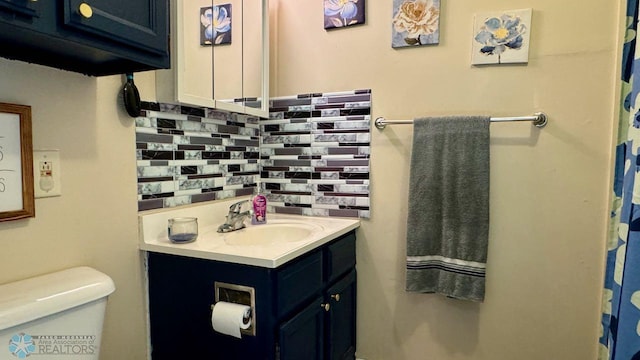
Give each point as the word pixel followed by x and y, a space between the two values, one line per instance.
pixel 299 282
pixel 326 328
pixel 302 337
pixel 341 319
pixel 340 257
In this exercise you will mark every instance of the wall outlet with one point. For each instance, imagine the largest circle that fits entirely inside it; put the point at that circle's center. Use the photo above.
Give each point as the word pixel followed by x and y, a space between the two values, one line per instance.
pixel 46 173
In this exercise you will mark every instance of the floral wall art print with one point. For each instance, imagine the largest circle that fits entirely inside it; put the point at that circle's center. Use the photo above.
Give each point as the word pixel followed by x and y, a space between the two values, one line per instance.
pixel 501 38
pixel 215 25
pixel 415 23
pixel 342 13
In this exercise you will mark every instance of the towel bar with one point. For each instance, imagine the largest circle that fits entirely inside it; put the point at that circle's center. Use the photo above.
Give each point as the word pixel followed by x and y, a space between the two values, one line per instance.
pixel 539 119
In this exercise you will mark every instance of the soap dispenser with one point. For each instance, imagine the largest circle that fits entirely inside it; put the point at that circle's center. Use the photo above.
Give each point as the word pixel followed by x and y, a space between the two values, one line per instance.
pixel 259 216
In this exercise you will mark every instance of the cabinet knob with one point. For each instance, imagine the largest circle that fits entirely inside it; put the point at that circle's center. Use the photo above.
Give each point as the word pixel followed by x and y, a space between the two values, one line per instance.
pixel 85 10
pixel 336 297
pixel 326 307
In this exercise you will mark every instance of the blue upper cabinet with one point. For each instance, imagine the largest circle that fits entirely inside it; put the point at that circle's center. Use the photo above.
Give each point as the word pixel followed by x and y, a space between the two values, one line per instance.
pixel 93 37
pixel 24 8
pixel 137 24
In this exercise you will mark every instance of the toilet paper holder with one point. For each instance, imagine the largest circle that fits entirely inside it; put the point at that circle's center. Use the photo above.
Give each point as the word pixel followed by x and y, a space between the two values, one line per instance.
pixel 238 294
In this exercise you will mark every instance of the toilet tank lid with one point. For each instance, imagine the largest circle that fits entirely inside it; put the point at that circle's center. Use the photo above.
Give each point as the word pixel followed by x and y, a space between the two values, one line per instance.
pixel 26 300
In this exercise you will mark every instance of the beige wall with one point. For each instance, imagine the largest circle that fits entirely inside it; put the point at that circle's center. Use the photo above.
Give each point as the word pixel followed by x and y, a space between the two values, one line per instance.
pixel 549 188
pixel 94 222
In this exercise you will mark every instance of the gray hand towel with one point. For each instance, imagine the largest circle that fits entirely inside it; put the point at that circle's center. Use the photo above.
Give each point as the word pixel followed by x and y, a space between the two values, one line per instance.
pixel 448 221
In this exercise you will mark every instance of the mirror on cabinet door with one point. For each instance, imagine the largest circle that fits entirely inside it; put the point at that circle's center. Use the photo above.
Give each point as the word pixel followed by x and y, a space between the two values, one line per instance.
pixel 255 64
pixel 227 35
pixel 219 56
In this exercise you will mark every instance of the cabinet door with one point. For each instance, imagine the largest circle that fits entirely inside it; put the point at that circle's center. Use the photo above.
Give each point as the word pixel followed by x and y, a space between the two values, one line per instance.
pixel 341 326
pixel 24 8
pixel 299 282
pixel 302 336
pixel 141 24
pixel 341 257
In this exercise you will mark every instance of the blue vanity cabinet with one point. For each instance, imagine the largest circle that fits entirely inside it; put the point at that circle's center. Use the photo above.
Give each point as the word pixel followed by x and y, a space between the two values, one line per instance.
pixel 181 293
pixel 303 336
pixel 333 315
pixel 305 309
pixel 93 37
pixel 297 282
pixel 341 323
pixel 326 328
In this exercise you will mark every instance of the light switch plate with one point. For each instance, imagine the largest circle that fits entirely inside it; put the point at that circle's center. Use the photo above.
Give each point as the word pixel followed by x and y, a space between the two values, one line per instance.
pixel 46 173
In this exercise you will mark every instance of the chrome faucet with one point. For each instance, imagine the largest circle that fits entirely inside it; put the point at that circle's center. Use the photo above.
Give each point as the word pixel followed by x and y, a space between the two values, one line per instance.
pixel 235 218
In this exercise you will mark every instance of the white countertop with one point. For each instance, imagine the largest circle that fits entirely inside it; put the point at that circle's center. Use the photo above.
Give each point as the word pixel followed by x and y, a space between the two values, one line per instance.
pixel 212 245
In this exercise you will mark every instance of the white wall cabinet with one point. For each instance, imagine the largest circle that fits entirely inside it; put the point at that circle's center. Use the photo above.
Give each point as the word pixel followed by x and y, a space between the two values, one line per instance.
pixel 232 77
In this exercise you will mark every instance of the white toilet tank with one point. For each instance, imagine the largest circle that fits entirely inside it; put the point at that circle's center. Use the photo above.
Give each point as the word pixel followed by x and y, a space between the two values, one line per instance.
pixel 54 316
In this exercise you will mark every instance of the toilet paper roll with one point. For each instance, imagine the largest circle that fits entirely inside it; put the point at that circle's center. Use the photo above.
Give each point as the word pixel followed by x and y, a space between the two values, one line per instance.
pixel 228 318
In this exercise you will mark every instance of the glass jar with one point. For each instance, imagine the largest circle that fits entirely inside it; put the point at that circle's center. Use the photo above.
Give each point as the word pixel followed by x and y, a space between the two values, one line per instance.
pixel 182 230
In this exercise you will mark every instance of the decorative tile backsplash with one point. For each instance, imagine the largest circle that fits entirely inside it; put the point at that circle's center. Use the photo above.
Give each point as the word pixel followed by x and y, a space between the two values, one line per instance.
pixel 311 157
pixel 187 155
pixel 314 154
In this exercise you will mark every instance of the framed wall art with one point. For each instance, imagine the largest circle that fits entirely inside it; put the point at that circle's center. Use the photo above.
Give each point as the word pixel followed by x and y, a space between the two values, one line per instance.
pixel 343 13
pixel 215 25
pixel 415 23
pixel 501 37
pixel 16 163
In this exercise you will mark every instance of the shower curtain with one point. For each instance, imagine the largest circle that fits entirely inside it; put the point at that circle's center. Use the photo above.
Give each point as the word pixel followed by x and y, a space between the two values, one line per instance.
pixel 620 330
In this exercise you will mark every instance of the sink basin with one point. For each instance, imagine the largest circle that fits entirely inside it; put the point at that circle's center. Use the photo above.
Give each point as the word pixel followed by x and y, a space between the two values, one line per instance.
pixel 283 238
pixel 271 233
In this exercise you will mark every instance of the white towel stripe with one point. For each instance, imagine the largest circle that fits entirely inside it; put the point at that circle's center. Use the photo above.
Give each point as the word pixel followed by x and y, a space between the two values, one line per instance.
pixel 429 258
